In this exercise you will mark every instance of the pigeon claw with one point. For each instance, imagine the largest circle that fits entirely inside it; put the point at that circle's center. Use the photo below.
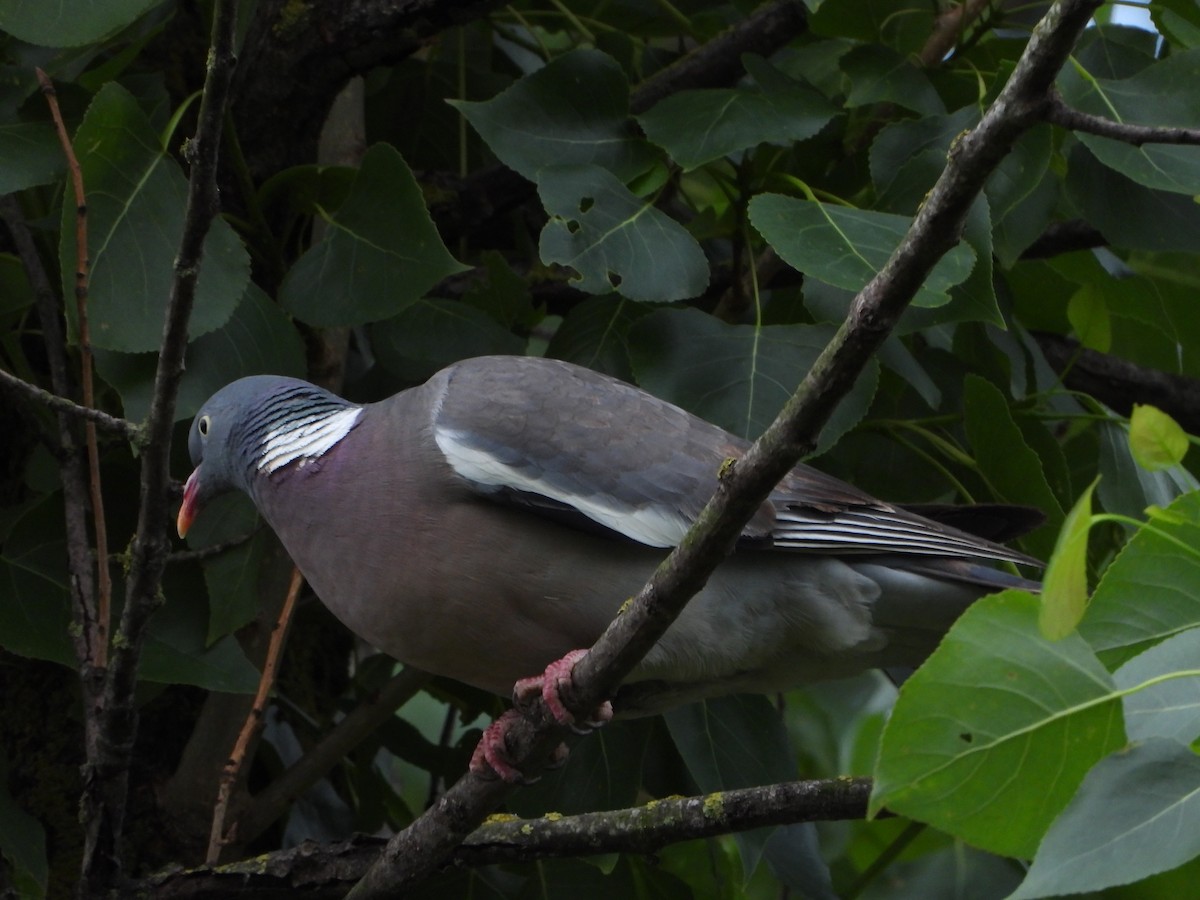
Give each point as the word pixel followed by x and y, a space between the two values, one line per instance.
pixel 550 685
pixel 491 756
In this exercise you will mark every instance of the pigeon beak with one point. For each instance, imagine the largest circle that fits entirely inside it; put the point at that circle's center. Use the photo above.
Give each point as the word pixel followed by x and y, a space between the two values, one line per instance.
pixel 190 505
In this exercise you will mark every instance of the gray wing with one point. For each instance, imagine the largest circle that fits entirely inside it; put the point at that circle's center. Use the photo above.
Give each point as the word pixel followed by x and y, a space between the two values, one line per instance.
pixel 568 441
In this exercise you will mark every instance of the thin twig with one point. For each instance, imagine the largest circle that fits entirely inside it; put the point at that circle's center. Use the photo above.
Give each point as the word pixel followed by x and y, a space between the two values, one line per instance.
pixel 106 778
pixel 1059 113
pixel 103 613
pixel 120 427
pixel 238 757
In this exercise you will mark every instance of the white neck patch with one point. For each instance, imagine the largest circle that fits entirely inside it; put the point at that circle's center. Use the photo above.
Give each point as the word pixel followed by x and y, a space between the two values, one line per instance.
pixel 306 438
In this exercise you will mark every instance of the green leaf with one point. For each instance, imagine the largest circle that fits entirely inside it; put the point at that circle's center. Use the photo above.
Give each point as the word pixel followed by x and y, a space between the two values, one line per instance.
pixel 1170 707
pixel 1160 567
pixel 1136 814
pixel 908 156
pixel 379 254
pixel 735 742
pixel 880 75
pixel 595 333
pixel 574 112
pixel 31 153
pixel 990 738
pixel 696 127
pixel 23 844
pixel 258 339
pixel 737 376
pixel 1156 440
pixel 68 23
pixel 847 247
pixel 34 610
pixel 1125 487
pixel 136 197
pixel 1065 584
pixel 603 772
pixel 1151 97
pixel 614 240
pixel 233 577
pixel 430 334
pixel 1011 468
pixel 1089 317
pixel 1127 213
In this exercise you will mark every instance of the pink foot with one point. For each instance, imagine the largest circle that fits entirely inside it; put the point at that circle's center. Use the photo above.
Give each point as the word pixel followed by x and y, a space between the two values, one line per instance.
pixel 492 753
pixel 550 685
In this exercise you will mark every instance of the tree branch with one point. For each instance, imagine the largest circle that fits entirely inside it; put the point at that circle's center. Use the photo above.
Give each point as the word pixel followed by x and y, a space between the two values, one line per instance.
pixel 326 870
pixel 1119 384
pixel 1059 113
pixel 418 850
pixel 121 427
pixel 107 777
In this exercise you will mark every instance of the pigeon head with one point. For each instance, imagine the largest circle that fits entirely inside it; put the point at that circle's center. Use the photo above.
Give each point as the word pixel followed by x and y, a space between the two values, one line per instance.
pixel 257 425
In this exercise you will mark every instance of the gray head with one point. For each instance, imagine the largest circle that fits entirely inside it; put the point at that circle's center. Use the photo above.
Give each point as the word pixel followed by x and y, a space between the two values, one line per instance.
pixel 236 433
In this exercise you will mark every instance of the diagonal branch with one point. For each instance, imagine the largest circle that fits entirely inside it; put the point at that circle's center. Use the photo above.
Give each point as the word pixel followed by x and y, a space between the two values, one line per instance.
pixel 1059 113
pixel 414 853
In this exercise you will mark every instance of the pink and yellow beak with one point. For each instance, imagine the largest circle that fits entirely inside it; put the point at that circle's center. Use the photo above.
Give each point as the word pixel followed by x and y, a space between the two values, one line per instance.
pixel 190 505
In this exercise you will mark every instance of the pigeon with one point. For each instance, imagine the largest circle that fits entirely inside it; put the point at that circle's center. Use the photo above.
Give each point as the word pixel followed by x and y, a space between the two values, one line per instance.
pixel 489 523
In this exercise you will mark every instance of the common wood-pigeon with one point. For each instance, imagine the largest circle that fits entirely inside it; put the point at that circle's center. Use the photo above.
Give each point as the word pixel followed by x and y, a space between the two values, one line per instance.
pixel 492 520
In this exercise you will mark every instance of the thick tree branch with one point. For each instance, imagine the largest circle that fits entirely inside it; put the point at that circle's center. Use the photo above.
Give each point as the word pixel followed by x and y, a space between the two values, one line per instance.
pixel 106 781
pixel 1059 113
pixel 325 871
pixel 415 852
pixel 122 428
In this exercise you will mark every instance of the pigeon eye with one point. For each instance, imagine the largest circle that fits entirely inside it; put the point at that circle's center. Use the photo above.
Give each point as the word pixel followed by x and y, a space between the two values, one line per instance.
pixel 202 425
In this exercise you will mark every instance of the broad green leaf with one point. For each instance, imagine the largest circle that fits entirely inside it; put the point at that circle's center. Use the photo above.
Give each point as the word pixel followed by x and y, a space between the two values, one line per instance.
pixel 257 339
pixel 34 606
pixel 698 126
pixel 235 577
pixel 595 333
pixel 22 843
pixel 574 112
pixel 604 771
pixel 432 333
pixel 68 23
pixel 1065 584
pixel 1152 589
pixel 992 736
pixel 1156 440
pixel 1178 20
pixel 1136 814
pixel 1151 97
pixel 1127 213
pixel 880 75
pixel 904 25
pixel 1125 487
pixel 177 651
pixel 847 247
pixel 1020 172
pixel 908 156
pixel 733 742
pixel 31 153
pixel 1009 465
pixel 379 254
pixel 136 197
pixel 1089 317
pixel 1169 708
pixel 738 376
pixel 614 240
pixel 504 295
